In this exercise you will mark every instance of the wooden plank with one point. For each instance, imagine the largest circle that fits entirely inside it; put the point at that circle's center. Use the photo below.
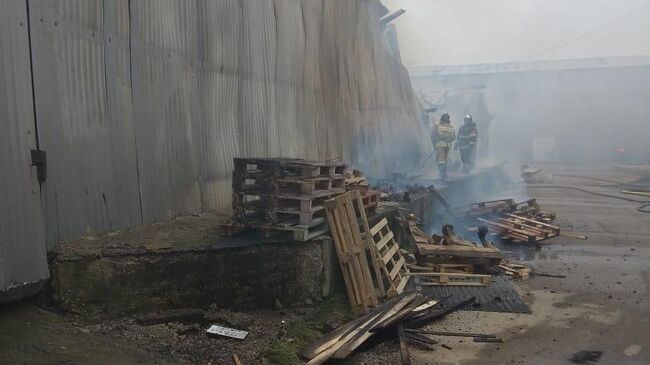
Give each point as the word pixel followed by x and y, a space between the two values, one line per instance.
pixel 382 223
pixel 328 352
pixel 388 256
pixel 397 268
pixel 550 226
pixel 573 235
pixel 384 240
pixel 451 334
pixel 333 337
pixel 346 350
pixel 459 251
pixel 236 360
pixel 403 345
pixel 402 284
pixel 428 283
pixel 449 274
pixel 179 315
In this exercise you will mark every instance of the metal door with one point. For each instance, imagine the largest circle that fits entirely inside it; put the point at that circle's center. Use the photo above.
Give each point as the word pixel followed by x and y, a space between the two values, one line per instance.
pixel 23 262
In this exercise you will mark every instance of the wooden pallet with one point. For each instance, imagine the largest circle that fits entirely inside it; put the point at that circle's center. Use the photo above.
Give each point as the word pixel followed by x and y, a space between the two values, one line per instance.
pixel 389 258
pixel 353 251
pixel 452 279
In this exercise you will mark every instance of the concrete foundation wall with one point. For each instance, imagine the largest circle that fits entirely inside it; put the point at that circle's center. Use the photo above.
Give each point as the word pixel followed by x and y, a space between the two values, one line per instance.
pixel 235 278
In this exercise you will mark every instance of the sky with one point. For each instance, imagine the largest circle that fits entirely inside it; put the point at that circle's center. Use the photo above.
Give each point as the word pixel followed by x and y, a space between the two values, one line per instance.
pixel 445 32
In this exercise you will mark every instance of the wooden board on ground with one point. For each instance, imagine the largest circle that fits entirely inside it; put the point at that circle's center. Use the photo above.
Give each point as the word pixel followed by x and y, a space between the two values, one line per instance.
pixel 459 251
pixel 457 279
pixel 519 272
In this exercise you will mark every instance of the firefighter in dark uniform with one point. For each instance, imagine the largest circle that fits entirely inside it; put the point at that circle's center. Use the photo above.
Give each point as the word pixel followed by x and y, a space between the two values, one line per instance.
pixel 467 141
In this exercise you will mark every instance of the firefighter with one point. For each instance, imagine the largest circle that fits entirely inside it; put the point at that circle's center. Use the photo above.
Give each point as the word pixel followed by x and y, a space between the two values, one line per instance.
pixel 442 137
pixel 467 140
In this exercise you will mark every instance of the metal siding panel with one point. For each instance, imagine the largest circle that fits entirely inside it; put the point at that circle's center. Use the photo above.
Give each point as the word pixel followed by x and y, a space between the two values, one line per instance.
pixel 22 236
pixel 165 95
pixel 85 121
pixel 221 24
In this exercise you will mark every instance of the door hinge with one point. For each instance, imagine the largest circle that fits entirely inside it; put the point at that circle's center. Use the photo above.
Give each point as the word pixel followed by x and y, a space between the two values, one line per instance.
pixel 39 159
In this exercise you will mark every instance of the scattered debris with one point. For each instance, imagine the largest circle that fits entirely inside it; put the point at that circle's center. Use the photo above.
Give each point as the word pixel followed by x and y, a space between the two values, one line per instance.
pixel 585 357
pixel 403 345
pixel 227 332
pixel 488 340
pixel 547 275
pixel 236 360
pixel 452 334
pixel 573 235
pixel 530 174
pixel 181 315
pixel 519 272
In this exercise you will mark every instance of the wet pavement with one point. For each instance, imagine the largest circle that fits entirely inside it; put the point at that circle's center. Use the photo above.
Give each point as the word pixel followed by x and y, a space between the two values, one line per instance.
pixel 603 303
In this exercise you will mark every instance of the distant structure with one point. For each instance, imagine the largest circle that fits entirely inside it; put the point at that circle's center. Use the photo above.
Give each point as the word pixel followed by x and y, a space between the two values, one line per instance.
pixel 562 110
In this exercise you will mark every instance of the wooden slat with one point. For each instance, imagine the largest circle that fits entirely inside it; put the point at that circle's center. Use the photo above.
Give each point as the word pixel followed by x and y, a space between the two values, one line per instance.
pixel 402 284
pixel 403 345
pixel 388 256
pixel 382 223
pixel 352 345
pixel 397 268
pixel 549 226
pixel 384 240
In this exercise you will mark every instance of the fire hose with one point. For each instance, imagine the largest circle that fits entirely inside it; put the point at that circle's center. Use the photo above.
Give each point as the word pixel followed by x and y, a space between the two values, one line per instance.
pixel 643 208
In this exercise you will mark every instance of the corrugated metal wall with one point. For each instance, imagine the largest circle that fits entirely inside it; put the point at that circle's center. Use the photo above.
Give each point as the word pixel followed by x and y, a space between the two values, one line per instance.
pixel 22 237
pixel 141 105
pixel 84 114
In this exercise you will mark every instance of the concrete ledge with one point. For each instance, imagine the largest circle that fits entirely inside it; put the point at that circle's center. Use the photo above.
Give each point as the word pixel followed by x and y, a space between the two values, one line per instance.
pixel 106 281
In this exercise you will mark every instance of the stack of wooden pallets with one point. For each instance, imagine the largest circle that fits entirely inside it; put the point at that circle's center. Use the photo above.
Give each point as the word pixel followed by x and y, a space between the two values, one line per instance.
pixel 285 194
pixel 521 229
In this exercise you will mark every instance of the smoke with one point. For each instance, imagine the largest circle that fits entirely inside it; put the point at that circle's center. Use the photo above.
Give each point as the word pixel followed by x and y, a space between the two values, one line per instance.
pixel 475 31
